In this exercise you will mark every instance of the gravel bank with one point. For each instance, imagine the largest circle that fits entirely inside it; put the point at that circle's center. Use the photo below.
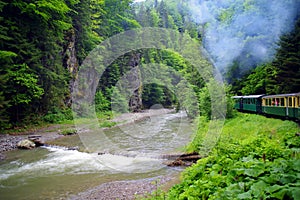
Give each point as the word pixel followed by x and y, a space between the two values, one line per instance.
pixel 8 143
pixel 124 190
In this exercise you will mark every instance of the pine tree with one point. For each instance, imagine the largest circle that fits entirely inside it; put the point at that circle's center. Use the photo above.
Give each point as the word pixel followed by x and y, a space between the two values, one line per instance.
pixel 287 62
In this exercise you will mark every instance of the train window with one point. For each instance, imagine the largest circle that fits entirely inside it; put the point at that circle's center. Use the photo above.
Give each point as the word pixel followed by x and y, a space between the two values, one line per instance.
pixel 282 102
pixel 277 102
pixel 290 101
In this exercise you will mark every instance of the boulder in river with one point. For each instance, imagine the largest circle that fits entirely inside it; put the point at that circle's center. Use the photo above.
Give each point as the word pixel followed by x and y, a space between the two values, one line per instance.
pixel 26 144
pixel 37 139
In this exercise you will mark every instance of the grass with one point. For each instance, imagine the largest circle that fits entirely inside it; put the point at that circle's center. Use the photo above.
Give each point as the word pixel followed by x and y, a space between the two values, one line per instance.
pixel 255 158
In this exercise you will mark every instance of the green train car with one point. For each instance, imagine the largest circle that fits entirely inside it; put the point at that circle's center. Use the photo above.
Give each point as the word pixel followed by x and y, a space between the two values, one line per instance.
pixel 238 103
pixel 282 105
pixel 250 103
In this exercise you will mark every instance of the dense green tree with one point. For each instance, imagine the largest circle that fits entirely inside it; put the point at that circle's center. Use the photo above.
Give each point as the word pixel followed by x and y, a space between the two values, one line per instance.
pixel 153 94
pixel 32 46
pixel 86 20
pixel 261 81
pixel 287 62
pixel 22 88
pixel 117 18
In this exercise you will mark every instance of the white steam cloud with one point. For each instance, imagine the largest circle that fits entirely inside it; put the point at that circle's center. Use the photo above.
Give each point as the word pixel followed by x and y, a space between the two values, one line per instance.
pixel 246 31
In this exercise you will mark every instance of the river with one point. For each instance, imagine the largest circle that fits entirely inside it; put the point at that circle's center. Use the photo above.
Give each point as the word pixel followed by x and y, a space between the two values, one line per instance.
pixel 58 173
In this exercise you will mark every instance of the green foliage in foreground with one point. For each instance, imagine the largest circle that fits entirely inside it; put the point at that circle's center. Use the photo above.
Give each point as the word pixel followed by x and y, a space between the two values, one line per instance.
pixel 255 158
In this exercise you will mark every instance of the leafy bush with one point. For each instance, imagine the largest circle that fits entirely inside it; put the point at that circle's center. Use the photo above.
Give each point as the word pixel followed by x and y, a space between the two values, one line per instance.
pixel 69 132
pixel 57 115
pixel 107 124
pixel 101 102
pixel 255 158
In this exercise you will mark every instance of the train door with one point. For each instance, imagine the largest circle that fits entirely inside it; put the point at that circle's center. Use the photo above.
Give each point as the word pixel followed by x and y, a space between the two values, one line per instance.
pixel 258 102
pixel 287 99
pixel 294 99
pixel 241 104
pixel 297 107
pixel 290 107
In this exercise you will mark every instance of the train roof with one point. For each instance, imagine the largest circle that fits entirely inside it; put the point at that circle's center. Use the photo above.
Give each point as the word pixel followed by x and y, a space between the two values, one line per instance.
pixel 237 97
pixel 265 96
pixel 282 95
pixel 253 96
pixel 248 96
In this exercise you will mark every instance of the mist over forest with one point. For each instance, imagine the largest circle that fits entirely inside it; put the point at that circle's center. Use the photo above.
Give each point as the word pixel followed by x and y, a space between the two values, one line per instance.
pixel 247 32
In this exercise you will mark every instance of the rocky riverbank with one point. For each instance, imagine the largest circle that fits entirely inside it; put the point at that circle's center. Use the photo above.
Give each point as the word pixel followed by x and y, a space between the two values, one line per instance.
pixel 9 142
pixel 127 190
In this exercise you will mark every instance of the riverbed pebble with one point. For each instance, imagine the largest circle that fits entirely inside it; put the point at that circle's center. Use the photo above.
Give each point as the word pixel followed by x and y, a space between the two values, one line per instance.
pixel 8 142
pixel 124 190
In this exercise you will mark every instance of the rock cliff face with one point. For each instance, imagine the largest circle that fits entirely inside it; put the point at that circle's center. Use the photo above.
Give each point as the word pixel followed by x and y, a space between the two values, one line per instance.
pixel 70 60
pixel 135 101
pixel 83 90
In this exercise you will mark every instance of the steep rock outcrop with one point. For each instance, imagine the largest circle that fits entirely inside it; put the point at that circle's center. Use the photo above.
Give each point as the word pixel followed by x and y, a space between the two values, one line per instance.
pixel 70 60
pixel 135 101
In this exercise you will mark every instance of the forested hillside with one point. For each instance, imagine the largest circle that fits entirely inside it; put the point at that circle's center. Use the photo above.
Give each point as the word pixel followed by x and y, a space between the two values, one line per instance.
pixel 43 43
